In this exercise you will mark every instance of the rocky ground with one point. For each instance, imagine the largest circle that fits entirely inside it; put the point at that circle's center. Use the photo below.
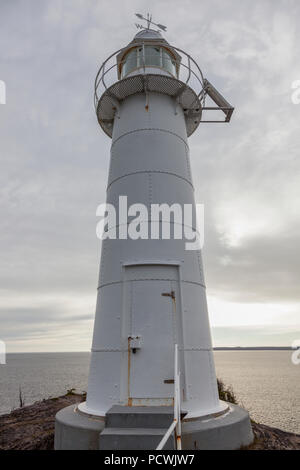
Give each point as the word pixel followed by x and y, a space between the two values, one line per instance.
pixel 267 438
pixel 32 428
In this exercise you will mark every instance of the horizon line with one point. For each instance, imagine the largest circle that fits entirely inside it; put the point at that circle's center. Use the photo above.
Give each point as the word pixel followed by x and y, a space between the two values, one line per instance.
pixel 216 348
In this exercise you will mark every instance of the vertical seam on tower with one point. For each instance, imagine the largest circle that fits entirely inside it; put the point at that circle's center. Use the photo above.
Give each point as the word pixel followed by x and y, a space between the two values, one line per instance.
pixel 131 307
pixel 212 385
pixel 150 192
pixel 187 157
pixel 199 267
pixel 111 164
pixel 102 264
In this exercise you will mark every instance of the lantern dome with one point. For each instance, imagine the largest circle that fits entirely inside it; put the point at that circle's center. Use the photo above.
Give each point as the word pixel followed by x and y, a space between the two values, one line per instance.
pixel 148 34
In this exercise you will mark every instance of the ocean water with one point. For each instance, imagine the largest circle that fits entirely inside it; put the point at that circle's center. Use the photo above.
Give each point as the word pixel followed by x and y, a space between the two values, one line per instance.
pixel 265 382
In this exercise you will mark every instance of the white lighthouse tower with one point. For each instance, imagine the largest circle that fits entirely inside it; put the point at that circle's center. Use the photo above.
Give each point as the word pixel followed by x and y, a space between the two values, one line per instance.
pixel 150 97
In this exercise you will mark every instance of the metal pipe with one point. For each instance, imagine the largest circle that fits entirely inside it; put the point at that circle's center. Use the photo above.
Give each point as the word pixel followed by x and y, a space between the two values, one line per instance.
pixel 177 407
pixel 176 424
pixel 167 435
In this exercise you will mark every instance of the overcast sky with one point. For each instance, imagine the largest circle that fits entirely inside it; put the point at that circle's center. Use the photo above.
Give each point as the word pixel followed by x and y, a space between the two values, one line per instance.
pixel 54 164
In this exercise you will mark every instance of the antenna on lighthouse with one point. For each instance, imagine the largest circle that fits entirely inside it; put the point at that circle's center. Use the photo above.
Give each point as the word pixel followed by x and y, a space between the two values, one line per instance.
pixel 149 22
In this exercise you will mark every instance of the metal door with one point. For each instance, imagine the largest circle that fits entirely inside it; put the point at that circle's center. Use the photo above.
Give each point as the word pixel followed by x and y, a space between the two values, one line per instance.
pixel 152 300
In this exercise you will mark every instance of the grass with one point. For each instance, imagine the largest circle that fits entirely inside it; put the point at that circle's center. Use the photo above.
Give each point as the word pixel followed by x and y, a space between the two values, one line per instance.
pixel 21 398
pixel 226 393
pixel 72 391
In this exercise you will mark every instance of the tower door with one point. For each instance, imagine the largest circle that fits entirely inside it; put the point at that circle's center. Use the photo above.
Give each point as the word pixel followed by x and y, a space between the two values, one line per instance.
pixel 153 320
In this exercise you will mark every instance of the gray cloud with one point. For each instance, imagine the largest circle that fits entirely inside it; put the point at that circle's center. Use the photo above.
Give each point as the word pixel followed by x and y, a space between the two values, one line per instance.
pixel 38 322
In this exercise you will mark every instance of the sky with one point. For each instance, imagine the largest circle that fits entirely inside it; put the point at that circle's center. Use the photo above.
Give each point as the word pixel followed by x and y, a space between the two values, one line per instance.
pixel 54 164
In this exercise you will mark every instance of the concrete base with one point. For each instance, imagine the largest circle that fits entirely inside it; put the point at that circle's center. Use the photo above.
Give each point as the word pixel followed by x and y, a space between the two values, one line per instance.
pixel 75 430
pixel 229 431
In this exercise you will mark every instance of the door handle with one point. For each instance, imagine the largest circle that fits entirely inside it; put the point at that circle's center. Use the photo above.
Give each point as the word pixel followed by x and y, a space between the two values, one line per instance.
pixel 169 294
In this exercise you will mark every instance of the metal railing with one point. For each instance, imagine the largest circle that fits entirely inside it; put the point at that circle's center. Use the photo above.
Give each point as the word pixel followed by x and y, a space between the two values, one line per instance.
pixel 176 424
pixel 188 71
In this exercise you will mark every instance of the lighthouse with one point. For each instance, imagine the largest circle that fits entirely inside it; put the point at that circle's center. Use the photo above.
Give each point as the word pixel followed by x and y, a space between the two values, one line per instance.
pixel 150 96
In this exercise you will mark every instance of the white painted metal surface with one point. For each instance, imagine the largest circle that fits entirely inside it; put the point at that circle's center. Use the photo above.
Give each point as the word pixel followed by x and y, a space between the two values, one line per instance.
pixel 151 293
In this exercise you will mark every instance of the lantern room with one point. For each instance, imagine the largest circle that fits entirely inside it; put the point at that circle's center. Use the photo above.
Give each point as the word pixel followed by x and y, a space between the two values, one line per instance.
pixel 148 53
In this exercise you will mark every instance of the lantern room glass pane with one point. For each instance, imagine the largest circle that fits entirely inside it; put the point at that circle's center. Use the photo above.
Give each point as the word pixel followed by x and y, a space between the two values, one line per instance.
pixel 152 56
pixel 130 62
pixel 168 63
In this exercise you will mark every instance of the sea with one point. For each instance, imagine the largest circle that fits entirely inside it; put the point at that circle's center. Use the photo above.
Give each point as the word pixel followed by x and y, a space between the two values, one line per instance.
pixel 265 382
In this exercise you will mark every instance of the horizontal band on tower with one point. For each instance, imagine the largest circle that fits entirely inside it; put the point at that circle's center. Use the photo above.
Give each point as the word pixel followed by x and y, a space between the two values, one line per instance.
pixel 149 221
pixel 109 349
pixel 150 279
pixel 150 171
pixel 150 129
pixel 197 349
